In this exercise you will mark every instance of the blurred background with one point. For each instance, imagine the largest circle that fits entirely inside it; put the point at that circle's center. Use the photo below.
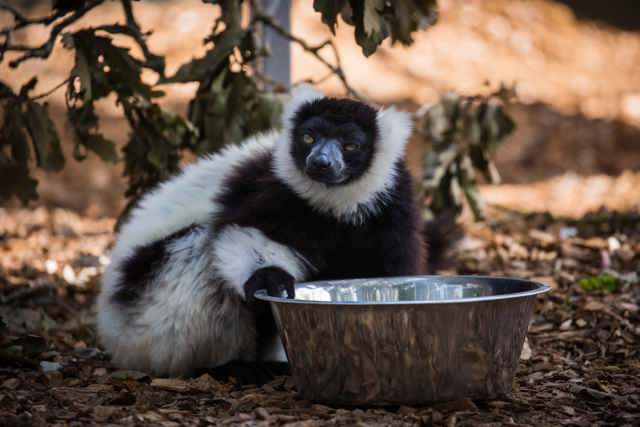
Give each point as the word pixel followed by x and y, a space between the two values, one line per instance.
pixel 575 66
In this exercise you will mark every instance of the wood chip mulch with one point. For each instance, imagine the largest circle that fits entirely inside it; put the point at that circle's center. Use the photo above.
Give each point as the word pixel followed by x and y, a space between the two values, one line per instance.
pixel 580 365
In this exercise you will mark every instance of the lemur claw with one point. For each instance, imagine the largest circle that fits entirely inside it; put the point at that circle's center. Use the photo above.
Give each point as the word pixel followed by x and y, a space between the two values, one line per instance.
pixel 273 279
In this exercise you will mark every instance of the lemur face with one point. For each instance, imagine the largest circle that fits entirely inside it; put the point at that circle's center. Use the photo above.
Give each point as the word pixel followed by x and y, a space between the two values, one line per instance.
pixel 333 140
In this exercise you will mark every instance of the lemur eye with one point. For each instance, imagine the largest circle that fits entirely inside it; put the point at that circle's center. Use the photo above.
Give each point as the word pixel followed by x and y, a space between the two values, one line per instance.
pixel 350 147
pixel 308 139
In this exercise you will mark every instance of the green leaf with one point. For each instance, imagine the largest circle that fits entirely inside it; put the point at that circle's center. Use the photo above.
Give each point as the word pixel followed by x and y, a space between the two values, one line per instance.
pixel 376 20
pixel 104 148
pixel 13 133
pixel 14 163
pixel 461 132
pixel 329 10
pixel 153 151
pixel 347 15
pixel 28 87
pixel 65 6
pixel 604 283
pixel 82 71
pixel 368 42
pixel 111 67
pixel 152 61
pixel 469 187
pixel 372 20
pixel 100 68
pixel 44 136
pixel 200 68
pixel 5 91
pixel 16 182
pixel 229 108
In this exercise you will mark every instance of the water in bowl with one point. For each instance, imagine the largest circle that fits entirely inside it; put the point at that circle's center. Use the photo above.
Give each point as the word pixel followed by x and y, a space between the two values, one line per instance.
pixel 390 290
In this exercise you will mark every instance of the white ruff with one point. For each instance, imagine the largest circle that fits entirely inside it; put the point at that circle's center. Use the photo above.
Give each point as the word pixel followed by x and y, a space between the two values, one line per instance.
pixel 356 201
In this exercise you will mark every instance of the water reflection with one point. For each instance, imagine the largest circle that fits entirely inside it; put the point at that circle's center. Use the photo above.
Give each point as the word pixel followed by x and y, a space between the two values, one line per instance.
pixel 389 290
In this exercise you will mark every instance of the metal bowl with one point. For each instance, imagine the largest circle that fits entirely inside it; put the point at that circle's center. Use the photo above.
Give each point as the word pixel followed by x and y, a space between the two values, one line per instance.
pixel 405 340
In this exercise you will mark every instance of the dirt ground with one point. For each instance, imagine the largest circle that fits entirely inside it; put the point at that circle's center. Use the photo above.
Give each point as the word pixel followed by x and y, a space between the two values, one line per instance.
pixel 581 365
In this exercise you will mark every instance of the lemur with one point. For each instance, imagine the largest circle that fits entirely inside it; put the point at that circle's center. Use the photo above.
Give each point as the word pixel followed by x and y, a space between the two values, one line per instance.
pixel 327 197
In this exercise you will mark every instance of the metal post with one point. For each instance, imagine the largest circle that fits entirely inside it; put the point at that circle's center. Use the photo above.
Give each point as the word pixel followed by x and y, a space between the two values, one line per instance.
pixel 278 65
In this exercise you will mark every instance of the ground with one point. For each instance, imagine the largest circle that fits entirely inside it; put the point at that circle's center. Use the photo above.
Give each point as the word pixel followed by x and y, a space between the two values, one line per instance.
pixel 580 365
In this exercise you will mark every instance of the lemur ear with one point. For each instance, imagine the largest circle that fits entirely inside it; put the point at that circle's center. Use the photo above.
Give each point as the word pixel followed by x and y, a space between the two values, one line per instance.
pixel 394 129
pixel 300 95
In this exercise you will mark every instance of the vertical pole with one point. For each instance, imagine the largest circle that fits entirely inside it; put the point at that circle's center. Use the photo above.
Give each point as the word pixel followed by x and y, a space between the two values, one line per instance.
pixel 278 65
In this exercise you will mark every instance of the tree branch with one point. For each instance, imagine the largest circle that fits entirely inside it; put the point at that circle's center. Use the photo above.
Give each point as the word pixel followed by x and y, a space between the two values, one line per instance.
pixel 154 62
pixel 276 85
pixel 44 50
pixel 17 16
pixel 50 91
pixel 313 50
pixel 22 21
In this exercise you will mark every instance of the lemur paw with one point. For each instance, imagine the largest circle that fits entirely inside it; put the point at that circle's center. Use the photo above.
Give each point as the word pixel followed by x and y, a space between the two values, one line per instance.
pixel 274 279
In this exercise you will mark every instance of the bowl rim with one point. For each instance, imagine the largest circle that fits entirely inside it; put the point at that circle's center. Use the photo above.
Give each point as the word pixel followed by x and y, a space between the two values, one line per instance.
pixel 540 288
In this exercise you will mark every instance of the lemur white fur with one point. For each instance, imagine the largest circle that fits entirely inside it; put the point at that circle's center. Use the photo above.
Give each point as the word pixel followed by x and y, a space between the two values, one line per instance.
pixel 190 315
pixel 239 251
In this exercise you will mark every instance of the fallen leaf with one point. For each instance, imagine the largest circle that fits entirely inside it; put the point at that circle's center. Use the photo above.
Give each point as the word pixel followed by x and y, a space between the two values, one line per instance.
pixel 170 384
pixel 543 237
pixel 50 366
pixel 262 414
pixel 204 383
pixel 129 375
pixel 10 384
pixel 595 306
pixel 526 352
pixel 100 372
pixel 457 405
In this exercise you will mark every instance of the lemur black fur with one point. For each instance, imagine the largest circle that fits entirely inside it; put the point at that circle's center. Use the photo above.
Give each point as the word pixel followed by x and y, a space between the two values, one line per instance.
pixel 328 197
pixel 388 244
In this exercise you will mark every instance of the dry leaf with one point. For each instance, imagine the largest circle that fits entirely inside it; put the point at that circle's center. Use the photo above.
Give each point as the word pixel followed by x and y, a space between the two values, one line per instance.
pixel 170 384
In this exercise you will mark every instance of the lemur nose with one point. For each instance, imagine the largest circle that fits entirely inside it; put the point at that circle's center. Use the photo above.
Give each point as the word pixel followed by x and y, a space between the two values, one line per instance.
pixel 321 161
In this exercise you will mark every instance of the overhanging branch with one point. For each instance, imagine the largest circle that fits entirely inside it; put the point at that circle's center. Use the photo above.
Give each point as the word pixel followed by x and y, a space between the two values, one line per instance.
pixel 154 62
pixel 313 50
pixel 45 49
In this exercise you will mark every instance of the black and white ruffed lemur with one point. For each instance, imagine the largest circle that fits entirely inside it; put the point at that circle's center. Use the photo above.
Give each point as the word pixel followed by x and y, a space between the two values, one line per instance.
pixel 327 197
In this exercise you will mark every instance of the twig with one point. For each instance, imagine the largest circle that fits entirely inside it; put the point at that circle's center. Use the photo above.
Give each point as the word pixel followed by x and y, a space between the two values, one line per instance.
pixel 154 62
pixel 321 79
pixel 22 21
pixel 313 50
pixel 17 16
pixel 44 50
pixel 278 86
pixel 50 91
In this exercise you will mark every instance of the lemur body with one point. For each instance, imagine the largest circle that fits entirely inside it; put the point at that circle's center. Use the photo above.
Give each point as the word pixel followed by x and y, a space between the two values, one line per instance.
pixel 327 197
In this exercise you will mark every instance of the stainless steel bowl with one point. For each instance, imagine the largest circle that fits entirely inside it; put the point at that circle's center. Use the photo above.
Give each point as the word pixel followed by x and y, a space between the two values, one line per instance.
pixel 405 340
